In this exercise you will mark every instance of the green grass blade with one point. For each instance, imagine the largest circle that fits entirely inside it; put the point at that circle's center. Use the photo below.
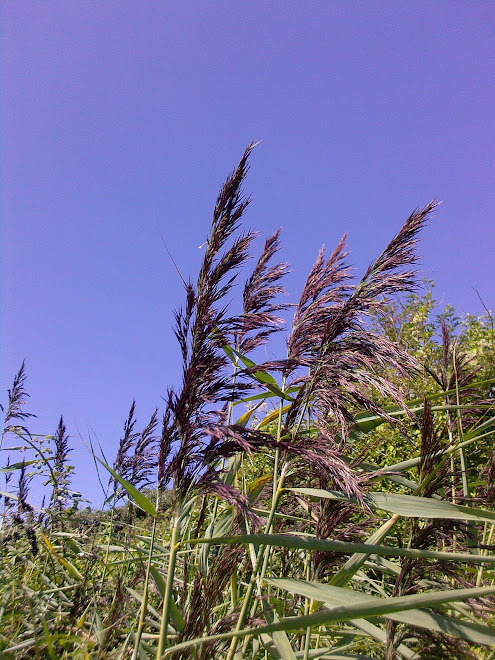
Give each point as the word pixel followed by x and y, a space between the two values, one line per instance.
pixel 17 466
pixel 175 615
pixel 423 507
pixel 311 543
pixel 476 633
pixel 354 563
pixel 141 500
pixel 339 656
pixel 370 608
pixel 377 633
pixel 283 650
pixel 266 395
pixel 66 564
pixel 410 506
pixel 263 377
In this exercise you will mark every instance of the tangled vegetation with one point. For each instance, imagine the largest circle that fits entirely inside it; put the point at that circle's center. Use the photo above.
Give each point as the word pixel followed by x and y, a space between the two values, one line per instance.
pixel 334 503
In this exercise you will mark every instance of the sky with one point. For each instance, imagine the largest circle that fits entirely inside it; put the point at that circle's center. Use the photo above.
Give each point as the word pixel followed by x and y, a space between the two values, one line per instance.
pixel 120 120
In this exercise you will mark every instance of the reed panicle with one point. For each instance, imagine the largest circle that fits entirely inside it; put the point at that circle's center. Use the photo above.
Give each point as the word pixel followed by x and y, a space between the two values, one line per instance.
pixel 456 368
pixel 204 596
pixel 17 396
pixel 485 490
pixel 123 461
pixel 259 317
pixel 23 490
pixel 345 360
pixel 438 533
pixel 60 495
pixel 144 459
pixel 201 330
pixel 62 448
pixel 433 474
pixel 326 287
pixel 337 520
pixel 383 277
pixel 318 451
pixel 136 459
pixel 165 443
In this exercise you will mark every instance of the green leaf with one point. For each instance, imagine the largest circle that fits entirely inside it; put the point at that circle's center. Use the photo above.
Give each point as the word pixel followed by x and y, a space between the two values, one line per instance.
pixel 370 607
pixel 320 492
pixel 48 639
pixel 476 430
pixel 477 633
pixel 277 644
pixel 341 656
pixel 244 419
pixel 367 421
pixel 410 506
pixel 424 507
pixel 175 614
pixel 17 466
pixel 135 594
pixel 262 377
pixel 66 564
pixel 266 395
pixel 274 414
pixel 158 578
pixel 310 543
pixel 354 563
pixel 326 653
pixel 255 488
pixel 141 500
pixel 7 496
pixel 21 448
pixel 99 629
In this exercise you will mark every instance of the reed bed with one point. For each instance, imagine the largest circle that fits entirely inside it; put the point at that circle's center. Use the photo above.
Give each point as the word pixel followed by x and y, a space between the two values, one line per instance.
pixel 336 502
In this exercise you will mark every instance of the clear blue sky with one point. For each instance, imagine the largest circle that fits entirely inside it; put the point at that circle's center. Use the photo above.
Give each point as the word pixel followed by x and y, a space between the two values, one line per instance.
pixel 120 117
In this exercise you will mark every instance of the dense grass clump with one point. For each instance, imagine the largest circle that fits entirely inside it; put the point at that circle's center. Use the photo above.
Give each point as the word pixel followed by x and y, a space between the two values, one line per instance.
pixel 336 502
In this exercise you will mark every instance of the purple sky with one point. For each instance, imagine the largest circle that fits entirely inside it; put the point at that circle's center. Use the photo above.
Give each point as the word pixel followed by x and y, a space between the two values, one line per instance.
pixel 122 117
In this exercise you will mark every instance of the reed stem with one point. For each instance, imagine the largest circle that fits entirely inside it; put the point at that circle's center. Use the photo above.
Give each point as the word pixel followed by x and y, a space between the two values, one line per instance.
pixel 174 546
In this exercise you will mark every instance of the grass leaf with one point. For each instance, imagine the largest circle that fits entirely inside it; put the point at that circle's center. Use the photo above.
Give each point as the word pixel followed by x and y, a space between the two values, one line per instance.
pixel 141 500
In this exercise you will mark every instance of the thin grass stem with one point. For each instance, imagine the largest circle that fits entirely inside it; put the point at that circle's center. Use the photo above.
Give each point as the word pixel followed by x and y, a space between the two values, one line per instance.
pixel 144 603
pixel 174 546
